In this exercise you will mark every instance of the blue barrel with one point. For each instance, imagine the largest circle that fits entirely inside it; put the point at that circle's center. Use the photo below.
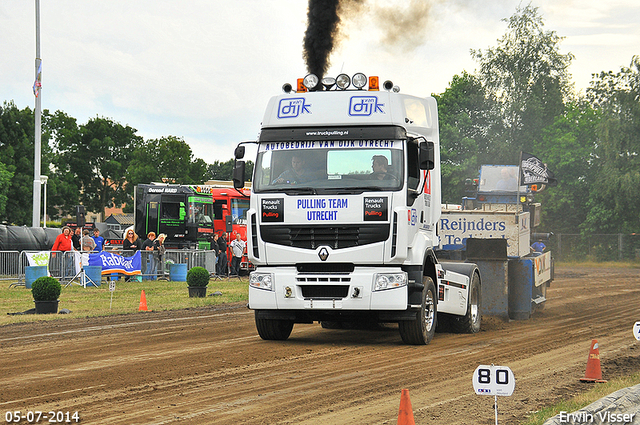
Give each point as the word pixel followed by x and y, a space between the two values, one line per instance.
pixel 178 272
pixel 31 273
pixel 94 273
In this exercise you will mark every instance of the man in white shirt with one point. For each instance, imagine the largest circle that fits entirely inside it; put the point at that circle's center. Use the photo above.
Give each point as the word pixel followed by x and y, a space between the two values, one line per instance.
pixel 238 247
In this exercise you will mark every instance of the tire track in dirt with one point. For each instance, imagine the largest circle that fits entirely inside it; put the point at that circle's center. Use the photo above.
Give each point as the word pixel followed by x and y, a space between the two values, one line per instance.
pixel 207 365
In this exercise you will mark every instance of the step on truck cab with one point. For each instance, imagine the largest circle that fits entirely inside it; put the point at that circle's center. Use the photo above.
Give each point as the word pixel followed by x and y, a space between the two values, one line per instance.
pixel 343 215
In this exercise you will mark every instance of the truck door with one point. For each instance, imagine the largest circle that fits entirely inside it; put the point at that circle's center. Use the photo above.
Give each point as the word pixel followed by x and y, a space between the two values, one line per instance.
pixel 152 217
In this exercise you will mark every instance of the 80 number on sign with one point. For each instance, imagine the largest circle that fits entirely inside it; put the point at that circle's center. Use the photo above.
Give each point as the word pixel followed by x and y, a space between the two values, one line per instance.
pixel 493 380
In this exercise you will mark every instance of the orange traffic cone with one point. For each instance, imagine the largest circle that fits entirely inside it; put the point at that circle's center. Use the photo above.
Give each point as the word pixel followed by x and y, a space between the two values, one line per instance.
pixel 143 302
pixel 405 415
pixel 593 373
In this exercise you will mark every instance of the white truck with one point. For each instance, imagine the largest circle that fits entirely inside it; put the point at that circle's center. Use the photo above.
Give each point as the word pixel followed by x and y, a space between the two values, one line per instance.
pixel 343 216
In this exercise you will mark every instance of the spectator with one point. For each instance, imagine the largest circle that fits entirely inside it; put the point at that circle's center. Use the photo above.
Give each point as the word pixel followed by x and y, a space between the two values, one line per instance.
pixel 222 256
pixel 148 245
pixel 131 241
pixel 237 247
pixel 87 242
pixel 63 240
pixel 75 239
pixel 99 240
pixel 160 249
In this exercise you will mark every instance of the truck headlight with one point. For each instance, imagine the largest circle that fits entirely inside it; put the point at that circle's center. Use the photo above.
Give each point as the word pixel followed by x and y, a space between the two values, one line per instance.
pixel 261 280
pixel 382 281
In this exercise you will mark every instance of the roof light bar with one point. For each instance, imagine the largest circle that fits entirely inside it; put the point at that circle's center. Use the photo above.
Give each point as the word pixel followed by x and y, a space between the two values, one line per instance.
pixel 311 82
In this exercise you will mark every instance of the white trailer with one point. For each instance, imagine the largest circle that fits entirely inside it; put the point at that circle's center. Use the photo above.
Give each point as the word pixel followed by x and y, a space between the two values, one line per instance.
pixel 337 239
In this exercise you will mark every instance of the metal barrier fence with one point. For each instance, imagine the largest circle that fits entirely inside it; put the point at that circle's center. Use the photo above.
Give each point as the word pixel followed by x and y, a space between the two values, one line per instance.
pixel 63 265
pixel 601 247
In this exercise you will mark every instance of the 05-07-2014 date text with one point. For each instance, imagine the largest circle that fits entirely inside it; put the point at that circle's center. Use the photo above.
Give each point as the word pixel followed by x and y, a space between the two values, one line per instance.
pixel 52 417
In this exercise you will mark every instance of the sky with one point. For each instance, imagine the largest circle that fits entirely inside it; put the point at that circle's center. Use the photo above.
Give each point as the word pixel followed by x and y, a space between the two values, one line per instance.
pixel 203 70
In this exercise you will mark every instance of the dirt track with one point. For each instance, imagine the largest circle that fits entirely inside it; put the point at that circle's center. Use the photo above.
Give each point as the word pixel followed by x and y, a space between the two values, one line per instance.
pixel 209 366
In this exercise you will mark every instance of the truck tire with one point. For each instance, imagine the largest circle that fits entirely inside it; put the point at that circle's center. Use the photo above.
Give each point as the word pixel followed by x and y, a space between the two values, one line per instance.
pixel 420 330
pixel 470 322
pixel 274 329
pixel 330 324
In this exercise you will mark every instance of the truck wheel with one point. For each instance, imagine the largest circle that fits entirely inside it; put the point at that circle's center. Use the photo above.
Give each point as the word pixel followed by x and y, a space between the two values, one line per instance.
pixel 420 330
pixel 330 324
pixel 470 322
pixel 274 329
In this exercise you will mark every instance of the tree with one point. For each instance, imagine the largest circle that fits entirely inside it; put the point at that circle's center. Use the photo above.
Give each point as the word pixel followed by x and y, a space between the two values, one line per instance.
pixel 5 184
pixel 224 170
pixel 467 119
pixel 63 189
pixel 16 155
pixel 168 159
pixel 568 147
pixel 528 76
pixel 614 199
pixel 97 158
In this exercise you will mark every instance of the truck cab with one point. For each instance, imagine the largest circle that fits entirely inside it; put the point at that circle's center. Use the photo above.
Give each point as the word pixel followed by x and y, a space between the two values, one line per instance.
pixel 343 215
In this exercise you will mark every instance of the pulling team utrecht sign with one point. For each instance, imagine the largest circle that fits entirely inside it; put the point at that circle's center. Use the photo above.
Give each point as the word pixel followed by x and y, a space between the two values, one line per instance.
pixel 322 209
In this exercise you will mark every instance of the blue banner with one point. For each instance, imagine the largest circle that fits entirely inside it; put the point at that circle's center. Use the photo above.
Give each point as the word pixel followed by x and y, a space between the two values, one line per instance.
pixel 114 263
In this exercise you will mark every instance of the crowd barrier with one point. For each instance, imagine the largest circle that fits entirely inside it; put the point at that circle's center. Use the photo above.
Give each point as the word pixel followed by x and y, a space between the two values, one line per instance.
pixel 66 265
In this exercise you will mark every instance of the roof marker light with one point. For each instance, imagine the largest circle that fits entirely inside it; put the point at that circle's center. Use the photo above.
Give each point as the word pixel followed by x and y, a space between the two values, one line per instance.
pixel 388 85
pixel 301 88
pixel 374 84
pixel 286 87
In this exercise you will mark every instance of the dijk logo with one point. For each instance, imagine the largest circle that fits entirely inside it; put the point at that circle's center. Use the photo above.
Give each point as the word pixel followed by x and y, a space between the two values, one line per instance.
pixel 292 108
pixel 360 106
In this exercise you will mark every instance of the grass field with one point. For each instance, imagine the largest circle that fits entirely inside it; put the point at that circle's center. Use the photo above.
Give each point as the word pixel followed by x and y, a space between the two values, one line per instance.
pixel 97 301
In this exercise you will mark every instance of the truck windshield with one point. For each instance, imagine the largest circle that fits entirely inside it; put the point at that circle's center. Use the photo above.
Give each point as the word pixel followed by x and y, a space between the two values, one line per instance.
pixel 344 165
pixel 201 211
pixel 239 209
pixel 499 178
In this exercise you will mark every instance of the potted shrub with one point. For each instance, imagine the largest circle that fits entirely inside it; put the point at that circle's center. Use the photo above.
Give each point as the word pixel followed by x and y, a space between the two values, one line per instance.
pixel 46 291
pixel 197 280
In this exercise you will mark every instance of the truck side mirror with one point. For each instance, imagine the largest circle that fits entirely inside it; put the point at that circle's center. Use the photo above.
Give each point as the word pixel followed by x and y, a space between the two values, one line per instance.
pixel 427 156
pixel 239 152
pixel 238 173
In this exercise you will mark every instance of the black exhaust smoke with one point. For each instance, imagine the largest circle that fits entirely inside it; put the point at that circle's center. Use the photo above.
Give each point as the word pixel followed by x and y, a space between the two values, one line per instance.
pixel 402 27
pixel 319 39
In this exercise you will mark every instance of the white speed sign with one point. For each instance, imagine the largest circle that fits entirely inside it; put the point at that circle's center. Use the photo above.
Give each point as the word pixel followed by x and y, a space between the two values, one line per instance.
pixel 636 330
pixel 493 380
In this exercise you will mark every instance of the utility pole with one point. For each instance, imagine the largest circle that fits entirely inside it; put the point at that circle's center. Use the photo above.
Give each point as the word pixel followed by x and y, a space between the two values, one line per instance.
pixel 37 90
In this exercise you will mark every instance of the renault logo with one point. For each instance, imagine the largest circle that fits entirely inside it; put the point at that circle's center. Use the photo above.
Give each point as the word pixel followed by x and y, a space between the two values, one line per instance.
pixel 323 254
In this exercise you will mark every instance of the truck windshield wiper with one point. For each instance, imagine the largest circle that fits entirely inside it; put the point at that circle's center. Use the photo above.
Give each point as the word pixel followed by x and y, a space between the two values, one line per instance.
pixel 299 190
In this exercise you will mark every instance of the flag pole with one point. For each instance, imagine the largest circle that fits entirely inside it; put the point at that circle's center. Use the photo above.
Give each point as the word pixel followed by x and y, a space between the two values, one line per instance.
pixel 38 131
pixel 519 182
